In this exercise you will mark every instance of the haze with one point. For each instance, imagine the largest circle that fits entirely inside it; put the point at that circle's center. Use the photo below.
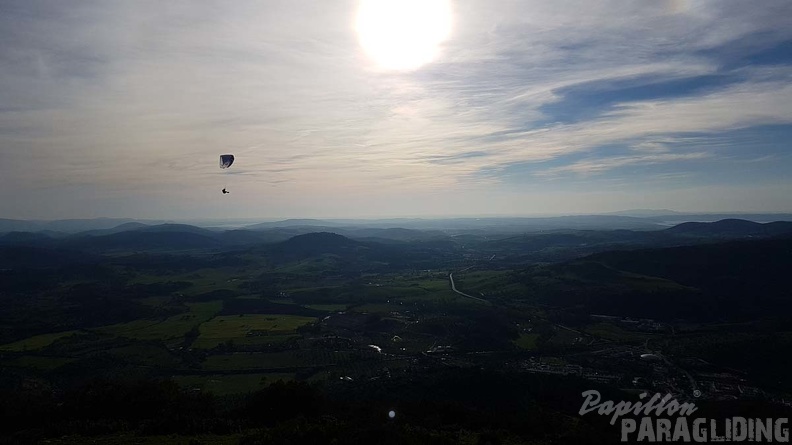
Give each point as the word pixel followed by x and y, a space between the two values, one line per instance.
pixel 526 107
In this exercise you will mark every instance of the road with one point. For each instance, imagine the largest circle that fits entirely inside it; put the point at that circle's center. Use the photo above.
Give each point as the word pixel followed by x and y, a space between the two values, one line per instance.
pixel 453 288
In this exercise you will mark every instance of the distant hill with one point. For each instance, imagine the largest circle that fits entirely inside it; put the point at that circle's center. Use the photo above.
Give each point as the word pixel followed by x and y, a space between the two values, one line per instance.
pixel 291 223
pixel 67 225
pixel 735 280
pixel 580 238
pixel 320 254
pixel 280 234
pixel 509 238
pixel 136 236
pixel 759 260
pixel 643 213
pixel 24 239
pixel 277 234
pixel 331 254
pixel 714 217
pixel 388 234
pixel 144 240
pixel 16 225
pixel 502 225
pixel 119 228
pixel 525 224
pixel 170 227
pixel 316 243
pixel 731 228
pixel 240 237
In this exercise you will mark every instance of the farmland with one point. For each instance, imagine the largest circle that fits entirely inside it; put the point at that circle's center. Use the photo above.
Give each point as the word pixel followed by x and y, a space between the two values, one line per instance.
pixel 360 325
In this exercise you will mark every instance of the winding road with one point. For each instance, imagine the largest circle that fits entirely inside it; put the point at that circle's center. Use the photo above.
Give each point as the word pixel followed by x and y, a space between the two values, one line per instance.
pixel 453 288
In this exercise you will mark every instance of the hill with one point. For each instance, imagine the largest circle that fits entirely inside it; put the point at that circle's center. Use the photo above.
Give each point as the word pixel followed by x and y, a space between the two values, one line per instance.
pixel 645 213
pixel 735 280
pixel 731 228
pixel 316 244
pixel 291 223
pixel 119 228
pixel 176 228
pixel 732 268
pixel 67 225
pixel 145 240
pixel 24 239
pixel 679 218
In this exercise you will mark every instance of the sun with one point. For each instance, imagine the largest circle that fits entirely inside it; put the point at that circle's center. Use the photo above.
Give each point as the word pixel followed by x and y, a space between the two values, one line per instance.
pixel 403 34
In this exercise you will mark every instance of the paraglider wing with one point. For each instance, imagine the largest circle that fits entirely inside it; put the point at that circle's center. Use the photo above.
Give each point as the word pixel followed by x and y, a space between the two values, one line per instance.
pixel 226 161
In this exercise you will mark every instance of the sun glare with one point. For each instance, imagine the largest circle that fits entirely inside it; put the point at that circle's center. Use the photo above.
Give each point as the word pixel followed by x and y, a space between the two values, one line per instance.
pixel 403 34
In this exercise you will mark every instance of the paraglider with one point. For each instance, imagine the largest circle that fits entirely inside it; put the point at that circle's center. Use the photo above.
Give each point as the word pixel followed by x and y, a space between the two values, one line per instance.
pixel 225 162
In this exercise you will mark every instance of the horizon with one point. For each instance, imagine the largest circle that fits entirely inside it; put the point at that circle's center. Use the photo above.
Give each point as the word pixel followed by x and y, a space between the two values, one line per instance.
pixel 629 213
pixel 488 109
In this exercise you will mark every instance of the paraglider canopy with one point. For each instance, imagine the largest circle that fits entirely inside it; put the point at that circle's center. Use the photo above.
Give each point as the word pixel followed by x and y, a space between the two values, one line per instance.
pixel 226 161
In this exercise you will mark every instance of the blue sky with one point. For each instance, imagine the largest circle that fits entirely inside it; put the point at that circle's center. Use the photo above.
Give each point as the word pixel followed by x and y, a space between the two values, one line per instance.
pixel 526 107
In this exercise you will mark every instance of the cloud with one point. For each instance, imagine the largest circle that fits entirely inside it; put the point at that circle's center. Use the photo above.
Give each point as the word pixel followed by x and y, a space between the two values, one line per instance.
pixel 132 98
pixel 599 166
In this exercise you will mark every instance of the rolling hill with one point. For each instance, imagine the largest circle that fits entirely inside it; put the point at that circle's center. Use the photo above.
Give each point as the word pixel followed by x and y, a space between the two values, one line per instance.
pixel 144 240
pixel 315 244
pixel 731 228
pixel 735 280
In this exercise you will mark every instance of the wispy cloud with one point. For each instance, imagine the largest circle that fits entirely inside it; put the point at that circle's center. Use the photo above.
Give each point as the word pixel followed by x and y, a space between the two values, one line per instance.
pixel 133 98
pixel 602 165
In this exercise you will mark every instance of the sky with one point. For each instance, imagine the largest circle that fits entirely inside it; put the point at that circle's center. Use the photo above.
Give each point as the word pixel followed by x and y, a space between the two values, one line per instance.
pixel 511 107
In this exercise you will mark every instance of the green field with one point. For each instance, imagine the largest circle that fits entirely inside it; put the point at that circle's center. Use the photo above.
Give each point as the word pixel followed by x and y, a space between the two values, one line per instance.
pixel 134 439
pixel 36 342
pixel 243 361
pixel 327 307
pixel 282 300
pixel 231 384
pixel 380 308
pixel 479 279
pixel 251 326
pixel 168 329
pixel 324 263
pixel 264 340
pixel 146 354
pixel 154 301
pixel 563 337
pixel 527 341
pixel 612 332
pixel 203 280
pixel 39 362
pixel 274 360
